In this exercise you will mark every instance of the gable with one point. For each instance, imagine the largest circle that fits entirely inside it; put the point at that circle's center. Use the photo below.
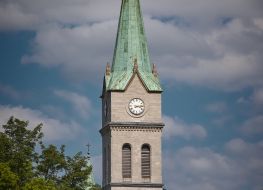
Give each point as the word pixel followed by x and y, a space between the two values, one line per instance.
pixel 136 84
pixel 118 81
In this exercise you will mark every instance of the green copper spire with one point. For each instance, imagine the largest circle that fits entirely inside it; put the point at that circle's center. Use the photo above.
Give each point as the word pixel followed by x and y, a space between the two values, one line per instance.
pixel 131 52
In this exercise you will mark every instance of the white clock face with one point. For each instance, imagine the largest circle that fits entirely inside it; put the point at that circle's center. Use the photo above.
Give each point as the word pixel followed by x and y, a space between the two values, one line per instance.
pixel 136 106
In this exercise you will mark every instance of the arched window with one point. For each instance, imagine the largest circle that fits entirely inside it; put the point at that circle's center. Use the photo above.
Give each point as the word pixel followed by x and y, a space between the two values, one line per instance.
pixel 126 161
pixel 146 161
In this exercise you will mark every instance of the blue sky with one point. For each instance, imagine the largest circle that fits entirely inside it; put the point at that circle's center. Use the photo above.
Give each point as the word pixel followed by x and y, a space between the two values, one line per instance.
pixel 209 56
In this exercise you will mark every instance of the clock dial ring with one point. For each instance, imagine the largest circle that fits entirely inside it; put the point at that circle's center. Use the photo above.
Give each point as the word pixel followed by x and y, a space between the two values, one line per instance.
pixel 136 106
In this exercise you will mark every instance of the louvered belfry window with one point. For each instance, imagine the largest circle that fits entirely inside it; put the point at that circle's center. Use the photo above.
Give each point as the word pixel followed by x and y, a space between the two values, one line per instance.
pixel 146 161
pixel 126 161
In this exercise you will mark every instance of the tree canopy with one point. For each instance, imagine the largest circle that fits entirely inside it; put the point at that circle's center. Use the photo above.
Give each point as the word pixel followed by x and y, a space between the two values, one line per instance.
pixel 24 166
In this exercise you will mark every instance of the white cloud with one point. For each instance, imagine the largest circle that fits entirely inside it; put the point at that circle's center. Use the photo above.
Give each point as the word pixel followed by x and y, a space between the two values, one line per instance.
pixel 204 169
pixel 230 73
pixel 53 129
pixel 174 127
pixel 259 23
pixel 201 51
pixel 240 147
pixel 222 120
pixel 254 100
pixel 194 47
pixel 221 110
pixel 242 100
pixel 227 58
pixel 9 91
pixel 200 169
pixel 13 17
pixel 216 107
pixel 80 103
pixel 257 96
pixel 32 14
pixel 81 52
pixel 253 126
pixel 204 11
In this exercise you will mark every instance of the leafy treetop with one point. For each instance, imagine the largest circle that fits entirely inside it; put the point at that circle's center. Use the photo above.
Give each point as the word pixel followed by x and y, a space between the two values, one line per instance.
pixel 24 168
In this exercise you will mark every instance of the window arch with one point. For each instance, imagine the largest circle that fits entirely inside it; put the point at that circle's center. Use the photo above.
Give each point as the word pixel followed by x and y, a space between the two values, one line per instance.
pixel 146 161
pixel 126 161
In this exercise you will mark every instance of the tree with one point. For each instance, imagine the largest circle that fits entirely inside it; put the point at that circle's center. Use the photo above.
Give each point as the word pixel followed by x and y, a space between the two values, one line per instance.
pixel 24 168
pixel 76 172
pixel 52 162
pixel 8 180
pixel 96 187
pixel 18 149
pixel 40 184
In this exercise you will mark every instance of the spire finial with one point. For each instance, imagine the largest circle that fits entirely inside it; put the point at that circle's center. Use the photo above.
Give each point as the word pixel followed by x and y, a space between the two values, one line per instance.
pixel 88 153
pixel 135 67
pixel 154 71
pixel 108 69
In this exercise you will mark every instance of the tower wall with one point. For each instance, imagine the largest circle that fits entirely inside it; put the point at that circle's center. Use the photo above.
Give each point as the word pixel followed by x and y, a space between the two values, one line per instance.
pixel 122 128
pixel 120 100
pixel 136 137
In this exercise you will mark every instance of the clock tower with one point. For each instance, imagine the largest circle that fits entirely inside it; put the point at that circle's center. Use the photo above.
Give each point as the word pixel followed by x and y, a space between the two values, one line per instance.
pixel 131 110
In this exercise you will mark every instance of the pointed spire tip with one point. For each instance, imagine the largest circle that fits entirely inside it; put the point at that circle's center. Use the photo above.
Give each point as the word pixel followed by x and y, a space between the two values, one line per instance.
pixel 108 69
pixel 135 67
pixel 154 71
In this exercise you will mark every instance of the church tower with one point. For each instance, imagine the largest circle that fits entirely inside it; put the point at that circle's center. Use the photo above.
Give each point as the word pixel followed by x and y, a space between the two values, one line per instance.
pixel 131 110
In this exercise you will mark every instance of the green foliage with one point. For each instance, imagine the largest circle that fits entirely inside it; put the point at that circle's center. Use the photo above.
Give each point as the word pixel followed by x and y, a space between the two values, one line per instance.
pixel 40 184
pixel 19 148
pixel 76 172
pixel 23 168
pixel 52 162
pixel 8 180
pixel 96 187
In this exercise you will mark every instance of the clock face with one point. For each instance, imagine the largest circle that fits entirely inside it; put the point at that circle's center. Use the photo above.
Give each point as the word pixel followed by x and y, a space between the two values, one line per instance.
pixel 136 106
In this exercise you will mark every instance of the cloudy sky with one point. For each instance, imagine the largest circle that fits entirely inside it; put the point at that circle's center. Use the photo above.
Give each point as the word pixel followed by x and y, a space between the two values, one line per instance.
pixel 209 55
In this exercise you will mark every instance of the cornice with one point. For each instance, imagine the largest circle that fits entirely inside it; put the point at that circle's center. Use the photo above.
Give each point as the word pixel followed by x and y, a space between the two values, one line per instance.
pixel 139 185
pixel 132 126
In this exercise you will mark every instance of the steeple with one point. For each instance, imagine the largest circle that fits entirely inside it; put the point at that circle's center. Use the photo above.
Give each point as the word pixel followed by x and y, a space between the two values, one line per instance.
pixel 131 50
pixel 131 110
pixel 90 181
